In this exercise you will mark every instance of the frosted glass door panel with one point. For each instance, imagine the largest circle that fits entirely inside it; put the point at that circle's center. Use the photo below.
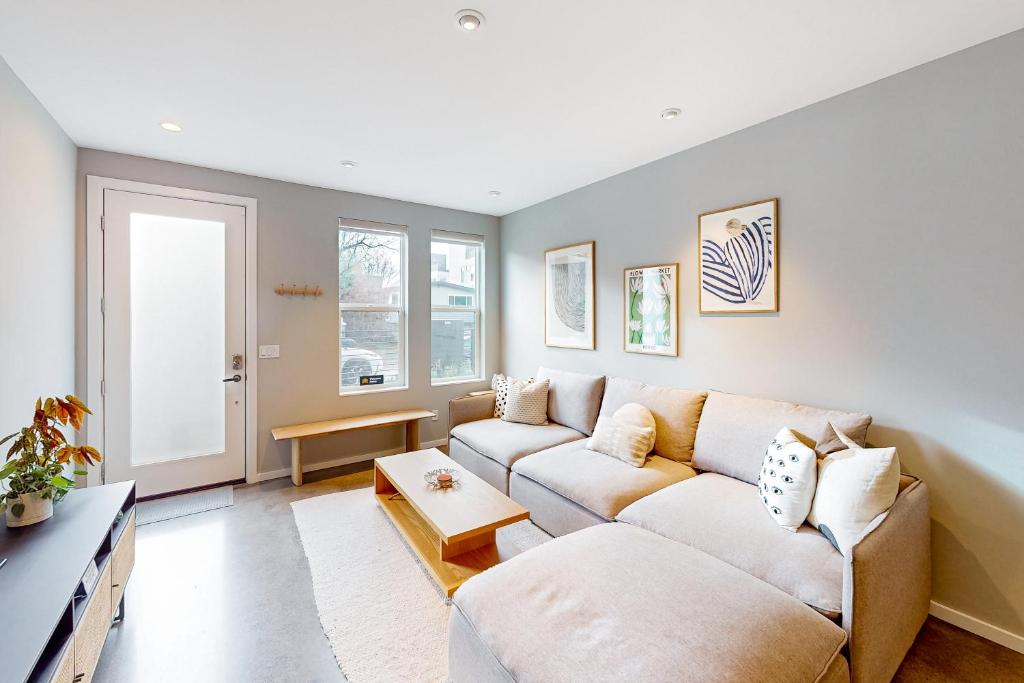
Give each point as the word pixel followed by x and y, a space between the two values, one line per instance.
pixel 178 352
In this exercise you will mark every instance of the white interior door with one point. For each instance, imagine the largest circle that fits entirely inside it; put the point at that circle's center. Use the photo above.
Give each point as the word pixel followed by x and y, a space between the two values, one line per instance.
pixel 174 338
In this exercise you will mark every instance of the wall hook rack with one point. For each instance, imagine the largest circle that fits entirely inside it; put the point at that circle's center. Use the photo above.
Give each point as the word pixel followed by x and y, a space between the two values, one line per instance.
pixel 293 290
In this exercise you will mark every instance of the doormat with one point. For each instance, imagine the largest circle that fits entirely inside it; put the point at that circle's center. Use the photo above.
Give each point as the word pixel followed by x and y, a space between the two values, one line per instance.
pixel 161 509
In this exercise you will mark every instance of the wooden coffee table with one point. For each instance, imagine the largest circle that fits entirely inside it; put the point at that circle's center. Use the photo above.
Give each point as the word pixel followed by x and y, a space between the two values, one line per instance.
pixel 450 530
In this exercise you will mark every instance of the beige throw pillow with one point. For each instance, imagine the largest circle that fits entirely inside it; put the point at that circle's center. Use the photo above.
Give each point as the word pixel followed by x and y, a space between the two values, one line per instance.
pixel 527 402
pixel 789 473
pixel 854 487
pixel 627 435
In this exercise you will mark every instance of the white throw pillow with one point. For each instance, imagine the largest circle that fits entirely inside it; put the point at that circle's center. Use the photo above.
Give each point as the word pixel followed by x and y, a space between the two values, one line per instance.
pixel 789 472
pixel 527 402
pixel 627 435
pixel 854 487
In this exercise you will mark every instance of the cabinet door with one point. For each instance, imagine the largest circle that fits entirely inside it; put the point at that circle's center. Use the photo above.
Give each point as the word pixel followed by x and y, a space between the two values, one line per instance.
pixel 66 669
pixel 122 562
pixel 92 629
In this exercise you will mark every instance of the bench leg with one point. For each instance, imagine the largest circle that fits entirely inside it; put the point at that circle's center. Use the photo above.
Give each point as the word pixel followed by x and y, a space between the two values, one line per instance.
pixel 297 462
pixel 412 436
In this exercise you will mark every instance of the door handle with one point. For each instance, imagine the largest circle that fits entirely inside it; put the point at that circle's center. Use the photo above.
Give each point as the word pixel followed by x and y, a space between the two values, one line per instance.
pixel 232 378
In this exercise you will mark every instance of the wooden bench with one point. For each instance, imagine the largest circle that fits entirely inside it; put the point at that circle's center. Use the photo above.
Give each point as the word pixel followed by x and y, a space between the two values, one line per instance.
pixel 311 430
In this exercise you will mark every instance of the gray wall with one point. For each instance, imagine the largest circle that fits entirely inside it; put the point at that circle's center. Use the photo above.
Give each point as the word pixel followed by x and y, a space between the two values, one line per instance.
pixel 37 254
pixel 901 220
pixel 298 243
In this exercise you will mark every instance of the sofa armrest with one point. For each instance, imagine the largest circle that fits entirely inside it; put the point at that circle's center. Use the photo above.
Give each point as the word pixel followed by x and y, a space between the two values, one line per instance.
pixel 476 406
pixel 887 587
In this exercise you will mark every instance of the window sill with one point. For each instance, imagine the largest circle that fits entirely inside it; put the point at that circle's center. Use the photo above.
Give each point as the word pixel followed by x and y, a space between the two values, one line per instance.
pixel 453 382
pixel 382 390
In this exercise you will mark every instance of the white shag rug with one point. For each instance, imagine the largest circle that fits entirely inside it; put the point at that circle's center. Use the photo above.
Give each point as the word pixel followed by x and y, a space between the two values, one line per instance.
pixel 384 616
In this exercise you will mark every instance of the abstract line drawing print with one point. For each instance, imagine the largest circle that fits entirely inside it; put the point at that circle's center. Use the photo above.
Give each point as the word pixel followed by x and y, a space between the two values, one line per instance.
pixel 737 271
pixel 569 286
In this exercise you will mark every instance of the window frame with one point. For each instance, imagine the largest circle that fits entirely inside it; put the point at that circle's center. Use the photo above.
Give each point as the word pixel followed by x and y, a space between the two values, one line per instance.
pixel 400 231
pixel 464 239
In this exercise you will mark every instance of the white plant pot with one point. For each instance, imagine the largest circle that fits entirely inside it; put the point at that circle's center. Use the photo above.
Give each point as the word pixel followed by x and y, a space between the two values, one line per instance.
pixel 36 509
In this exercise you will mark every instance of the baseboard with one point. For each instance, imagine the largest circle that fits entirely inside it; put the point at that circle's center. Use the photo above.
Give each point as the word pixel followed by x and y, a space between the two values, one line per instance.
pixel 977 626
pixel 347 460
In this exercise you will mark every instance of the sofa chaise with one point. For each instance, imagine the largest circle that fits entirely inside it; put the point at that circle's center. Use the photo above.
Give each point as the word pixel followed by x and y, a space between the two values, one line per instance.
pixel 695 500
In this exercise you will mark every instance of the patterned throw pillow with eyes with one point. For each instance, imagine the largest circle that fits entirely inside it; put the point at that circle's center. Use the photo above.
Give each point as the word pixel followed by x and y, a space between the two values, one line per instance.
pixel 789 474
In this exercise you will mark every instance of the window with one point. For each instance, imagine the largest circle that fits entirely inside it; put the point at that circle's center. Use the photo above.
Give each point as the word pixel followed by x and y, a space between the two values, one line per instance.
pixel 371 306
pixel 456 318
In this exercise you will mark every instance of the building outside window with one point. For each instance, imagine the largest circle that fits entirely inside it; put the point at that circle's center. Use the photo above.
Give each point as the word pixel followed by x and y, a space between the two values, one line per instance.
pixel 456 314
pixel 371 306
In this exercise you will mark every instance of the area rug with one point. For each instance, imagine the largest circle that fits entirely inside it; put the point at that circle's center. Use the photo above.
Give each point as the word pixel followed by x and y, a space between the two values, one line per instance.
pixel 149 511
pixel 383 615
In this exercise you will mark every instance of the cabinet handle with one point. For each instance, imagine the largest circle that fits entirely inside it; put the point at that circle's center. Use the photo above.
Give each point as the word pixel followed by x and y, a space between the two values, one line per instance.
pixel 78 677
pixel 114 585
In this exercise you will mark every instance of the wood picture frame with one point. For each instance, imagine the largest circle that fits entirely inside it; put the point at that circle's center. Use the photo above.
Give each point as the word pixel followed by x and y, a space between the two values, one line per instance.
pixel 738 259
pixel 643 317
pixel 569 296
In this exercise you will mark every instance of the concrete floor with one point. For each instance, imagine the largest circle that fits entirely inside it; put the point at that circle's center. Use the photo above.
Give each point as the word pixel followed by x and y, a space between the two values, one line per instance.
pixel 226 596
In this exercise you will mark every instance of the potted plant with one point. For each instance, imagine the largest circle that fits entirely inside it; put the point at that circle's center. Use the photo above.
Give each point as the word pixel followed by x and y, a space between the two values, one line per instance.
pixel 37 461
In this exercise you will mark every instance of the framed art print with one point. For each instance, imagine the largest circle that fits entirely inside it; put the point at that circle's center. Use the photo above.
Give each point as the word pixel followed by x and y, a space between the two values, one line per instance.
pixel 569 296
pixel 739 258
pixel 651 298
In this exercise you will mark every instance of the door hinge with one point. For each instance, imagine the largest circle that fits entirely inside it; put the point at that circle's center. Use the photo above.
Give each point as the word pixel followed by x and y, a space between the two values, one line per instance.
pixel 103 387
pixel 103 305
pixel 103 223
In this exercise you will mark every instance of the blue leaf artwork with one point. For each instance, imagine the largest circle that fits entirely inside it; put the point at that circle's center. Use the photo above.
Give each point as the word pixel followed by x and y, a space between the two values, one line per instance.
pixel 737 254
pixel 738 271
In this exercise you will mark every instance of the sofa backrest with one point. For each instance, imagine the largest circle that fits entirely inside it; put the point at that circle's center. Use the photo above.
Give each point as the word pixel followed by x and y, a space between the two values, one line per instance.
pixel 573 398
pixel 734 431
pixel 676 413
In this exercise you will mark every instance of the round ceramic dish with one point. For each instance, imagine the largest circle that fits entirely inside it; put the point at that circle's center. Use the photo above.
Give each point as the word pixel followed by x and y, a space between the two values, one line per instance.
pixel 431 477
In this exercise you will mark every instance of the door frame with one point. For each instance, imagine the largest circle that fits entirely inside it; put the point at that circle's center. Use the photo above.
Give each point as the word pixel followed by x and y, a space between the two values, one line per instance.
pixel 94 424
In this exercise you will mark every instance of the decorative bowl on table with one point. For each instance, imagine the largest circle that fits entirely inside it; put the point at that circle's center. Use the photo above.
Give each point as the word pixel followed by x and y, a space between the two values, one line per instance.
pixel 442 477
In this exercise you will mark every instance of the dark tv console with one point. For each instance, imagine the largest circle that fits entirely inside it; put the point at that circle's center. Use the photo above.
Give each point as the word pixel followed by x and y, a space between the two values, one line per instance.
pixel 63 585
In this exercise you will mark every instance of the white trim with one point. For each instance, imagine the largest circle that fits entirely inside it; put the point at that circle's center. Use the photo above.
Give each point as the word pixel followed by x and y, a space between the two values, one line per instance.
pixel 450 382
pixel 95 185
pixel 383 390
pixel 978 627
pixel 453 237
pixel 347 460
pixel 372 226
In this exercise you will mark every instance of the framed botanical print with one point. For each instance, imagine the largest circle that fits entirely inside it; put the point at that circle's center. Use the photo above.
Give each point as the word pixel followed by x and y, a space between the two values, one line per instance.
pixel 651 298
pixel 569 296
pixel 739 258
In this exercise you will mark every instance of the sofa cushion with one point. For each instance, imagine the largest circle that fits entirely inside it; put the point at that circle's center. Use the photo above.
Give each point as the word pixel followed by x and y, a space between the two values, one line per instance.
pixel 734 429
pixel 725 517
pixel 617 603
pixel 505 442
pixel 676 413
pixel 574 398
pixel 598 482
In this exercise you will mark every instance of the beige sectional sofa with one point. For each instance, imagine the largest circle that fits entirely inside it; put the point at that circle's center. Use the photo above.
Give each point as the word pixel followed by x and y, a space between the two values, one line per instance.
pixel 693 559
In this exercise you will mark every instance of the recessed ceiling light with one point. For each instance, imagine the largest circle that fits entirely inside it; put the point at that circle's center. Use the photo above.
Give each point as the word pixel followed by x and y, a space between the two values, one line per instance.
pixel 170 127
pixel 495 193
pixel 349 164
pixel 469 19
pixel 671 113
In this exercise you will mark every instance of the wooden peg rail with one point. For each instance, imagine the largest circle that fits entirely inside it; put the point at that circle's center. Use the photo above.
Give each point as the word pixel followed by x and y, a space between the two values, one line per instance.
pixel 304 290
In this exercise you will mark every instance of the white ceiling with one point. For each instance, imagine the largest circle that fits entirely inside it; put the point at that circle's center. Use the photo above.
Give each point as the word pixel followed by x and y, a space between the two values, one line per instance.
pixel 547 97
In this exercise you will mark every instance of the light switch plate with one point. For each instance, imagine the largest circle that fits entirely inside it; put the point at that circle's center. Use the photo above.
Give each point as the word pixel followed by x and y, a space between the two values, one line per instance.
pixel 270 351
